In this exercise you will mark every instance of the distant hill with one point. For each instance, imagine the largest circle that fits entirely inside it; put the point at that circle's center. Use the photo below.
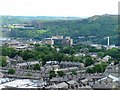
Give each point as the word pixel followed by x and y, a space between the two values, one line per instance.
pixel 22 19
pixel 93 29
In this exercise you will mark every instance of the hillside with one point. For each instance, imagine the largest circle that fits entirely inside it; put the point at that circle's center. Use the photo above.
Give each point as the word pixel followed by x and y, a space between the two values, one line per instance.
pixel 93 29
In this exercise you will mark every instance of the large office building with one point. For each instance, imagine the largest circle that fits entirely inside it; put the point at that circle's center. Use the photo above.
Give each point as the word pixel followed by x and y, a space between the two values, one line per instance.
pixel 57 40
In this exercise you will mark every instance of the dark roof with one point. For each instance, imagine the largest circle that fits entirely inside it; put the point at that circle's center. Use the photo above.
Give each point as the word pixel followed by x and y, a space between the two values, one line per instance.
pixel 70 63
pixel 103 86
pixel 112 69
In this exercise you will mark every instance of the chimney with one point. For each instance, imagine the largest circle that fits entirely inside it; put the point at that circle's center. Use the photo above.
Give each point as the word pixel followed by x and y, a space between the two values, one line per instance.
pixel 108 43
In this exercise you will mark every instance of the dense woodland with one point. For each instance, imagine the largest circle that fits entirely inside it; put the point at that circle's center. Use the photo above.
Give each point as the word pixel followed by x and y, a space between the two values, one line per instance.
pixel 93 29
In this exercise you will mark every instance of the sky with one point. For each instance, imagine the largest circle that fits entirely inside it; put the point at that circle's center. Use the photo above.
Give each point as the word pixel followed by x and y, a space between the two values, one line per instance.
pixel 79 8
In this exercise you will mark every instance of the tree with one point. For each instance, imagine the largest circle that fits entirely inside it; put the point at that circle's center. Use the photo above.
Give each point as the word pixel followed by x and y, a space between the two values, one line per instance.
pixel 68 50
pixel 89 70
pixel 98 68
pixel 65 58
pixel 3 61
pixel 27 54
pixel 104 65
pixel 101 54
pixel 11 71
pixel 60 73
pixel 88 61
pixel 36 67
pixel 74 72
pixel 43 62
pixel 116 62
pixel 6 51
pixel 52 74
pixel 114 53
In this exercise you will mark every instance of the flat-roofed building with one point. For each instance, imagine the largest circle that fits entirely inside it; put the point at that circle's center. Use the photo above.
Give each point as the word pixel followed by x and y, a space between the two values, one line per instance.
pixel 63 41
pixel 57 37
pixel 49 41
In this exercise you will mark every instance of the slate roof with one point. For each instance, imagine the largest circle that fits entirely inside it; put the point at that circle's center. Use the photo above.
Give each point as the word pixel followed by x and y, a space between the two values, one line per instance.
pixel 103 86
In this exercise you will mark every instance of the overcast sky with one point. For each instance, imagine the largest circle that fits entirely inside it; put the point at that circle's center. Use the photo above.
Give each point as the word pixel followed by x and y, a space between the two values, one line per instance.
pixel 81 8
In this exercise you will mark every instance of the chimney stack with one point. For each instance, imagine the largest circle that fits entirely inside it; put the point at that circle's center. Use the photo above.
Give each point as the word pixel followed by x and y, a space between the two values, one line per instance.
pixel 108 43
